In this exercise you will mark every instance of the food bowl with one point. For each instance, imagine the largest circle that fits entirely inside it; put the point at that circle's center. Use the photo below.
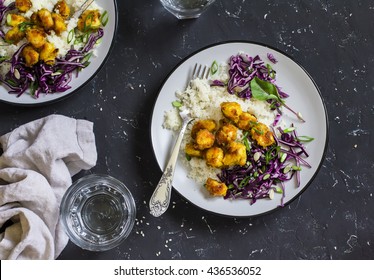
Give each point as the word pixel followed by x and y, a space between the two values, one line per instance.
pixel 98 212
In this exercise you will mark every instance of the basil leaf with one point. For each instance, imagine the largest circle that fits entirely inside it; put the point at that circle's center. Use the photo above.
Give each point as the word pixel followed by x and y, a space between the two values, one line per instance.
pixel 263 90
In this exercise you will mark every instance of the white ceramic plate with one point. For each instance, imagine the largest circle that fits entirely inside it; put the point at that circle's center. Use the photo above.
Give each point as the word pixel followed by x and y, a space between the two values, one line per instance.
pixel 84 76
pixel 304 97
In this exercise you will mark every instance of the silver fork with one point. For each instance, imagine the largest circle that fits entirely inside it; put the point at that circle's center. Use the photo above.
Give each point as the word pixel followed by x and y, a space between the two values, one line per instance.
pixel 160 198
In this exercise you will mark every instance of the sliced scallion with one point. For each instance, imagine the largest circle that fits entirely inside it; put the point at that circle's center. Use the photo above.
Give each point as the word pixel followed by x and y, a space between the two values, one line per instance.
pixel 104 18
pixel 214 67
pixel 71 35
pixel 176 104
pixel 304 139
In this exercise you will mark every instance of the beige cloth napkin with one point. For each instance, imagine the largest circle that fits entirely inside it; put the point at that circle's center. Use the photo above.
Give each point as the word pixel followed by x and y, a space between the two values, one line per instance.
pixel 38 161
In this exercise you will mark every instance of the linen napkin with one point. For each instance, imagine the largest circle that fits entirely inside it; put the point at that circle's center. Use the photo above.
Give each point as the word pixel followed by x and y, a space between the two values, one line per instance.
pixel 39 158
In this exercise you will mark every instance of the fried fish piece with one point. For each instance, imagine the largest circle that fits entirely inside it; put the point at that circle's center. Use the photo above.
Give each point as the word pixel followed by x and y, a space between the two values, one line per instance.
pixel 203 124
pixel 246 121
pixel 191 151
pixel 30 55
pixel 214 157
pixel 63 9
pixel 204 139
pixel 236 154
pixel 59 24
pixel 14 19
pixel 48 53
pixel 262 135
pixel 89 20
pixel 231 110
pixel 36 37
pixel 226 134
pixel 14 35
pixel 216 188
pixel 46 19
pixel 23 5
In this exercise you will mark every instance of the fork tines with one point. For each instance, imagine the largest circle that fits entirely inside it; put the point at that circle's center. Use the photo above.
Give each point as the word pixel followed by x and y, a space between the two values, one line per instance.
pixel 196 71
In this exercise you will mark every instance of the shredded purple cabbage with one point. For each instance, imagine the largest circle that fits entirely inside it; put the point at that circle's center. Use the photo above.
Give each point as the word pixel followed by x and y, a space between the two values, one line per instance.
pixel 267 169
pixel 4 9
pixel 242 69
pixel 272 58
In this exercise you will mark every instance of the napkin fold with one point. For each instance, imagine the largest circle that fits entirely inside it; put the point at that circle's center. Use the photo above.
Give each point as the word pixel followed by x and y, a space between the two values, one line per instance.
pixel 39 158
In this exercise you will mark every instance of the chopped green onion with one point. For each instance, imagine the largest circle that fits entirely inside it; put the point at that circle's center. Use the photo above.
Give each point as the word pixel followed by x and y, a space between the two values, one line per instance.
pixel 244 182
pixel 278 189
pixel 104 18
pixel 305 139
pixel 188 157
pixel 266 176
pixel 86 58
pixel 176 104
pixel 296 168
pixel 259 132
pixel 24 25
pixel 33 87
pixel 289 129
pixel 283 157
pixel 271 71
pixel 11 82
pixel 85 26
pixel 70 36
pixel 85 38
pixel 287 169
pixel 247 144
pixel 214 67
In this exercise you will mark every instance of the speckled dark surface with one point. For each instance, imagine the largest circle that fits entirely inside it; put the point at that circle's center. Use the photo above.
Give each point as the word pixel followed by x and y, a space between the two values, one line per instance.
pixel 333 40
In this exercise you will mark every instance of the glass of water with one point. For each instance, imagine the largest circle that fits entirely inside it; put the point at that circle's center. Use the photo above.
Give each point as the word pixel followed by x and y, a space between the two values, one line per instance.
pixel 186 9
pixel 98 212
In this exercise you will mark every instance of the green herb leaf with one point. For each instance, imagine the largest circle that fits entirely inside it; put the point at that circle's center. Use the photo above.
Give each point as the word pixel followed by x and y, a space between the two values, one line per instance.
pixel 263 90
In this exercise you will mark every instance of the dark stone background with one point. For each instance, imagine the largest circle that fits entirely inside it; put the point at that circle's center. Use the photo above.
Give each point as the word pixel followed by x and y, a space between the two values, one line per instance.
pixel 333 40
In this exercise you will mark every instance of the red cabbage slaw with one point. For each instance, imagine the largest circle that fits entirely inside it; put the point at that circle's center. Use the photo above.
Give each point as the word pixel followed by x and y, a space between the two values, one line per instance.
pixel 44 78
pixel 267 169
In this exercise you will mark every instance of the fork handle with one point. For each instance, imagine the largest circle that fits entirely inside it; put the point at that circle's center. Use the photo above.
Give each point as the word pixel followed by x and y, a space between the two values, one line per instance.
pixel 160 199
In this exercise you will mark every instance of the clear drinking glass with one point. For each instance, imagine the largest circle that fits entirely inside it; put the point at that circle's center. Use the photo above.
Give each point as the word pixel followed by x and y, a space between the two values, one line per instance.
pixel 98 212
pixel 186 9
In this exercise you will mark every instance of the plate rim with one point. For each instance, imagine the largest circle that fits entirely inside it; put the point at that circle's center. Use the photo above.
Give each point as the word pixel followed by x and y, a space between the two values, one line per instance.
pixel 48 102
pixel 250 42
